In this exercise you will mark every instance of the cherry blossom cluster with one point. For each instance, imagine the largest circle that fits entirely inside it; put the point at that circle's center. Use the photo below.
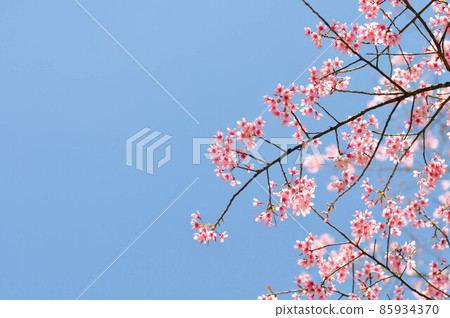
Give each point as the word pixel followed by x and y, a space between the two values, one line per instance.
pixel 432 173
pixel 419 116
pixel 311 290
pixel 396 218
pixel 443 210
pixel 368 192
pixel 433 62
pixel 267 297
pixel 313 248
pixel 323 82
pixel 361 145
pixel 395 147
pixel 337 266
pixel 368 278
pixel 436 287
pixel 349 39
pixel 442 17
pixel 400 258
pixel 296 195
pixel 364 226
pixel 439 282
pixel 228 151
pixel 205 233
pixel 371 7
pixel 415 207
pixel 269 217
pixel 399 292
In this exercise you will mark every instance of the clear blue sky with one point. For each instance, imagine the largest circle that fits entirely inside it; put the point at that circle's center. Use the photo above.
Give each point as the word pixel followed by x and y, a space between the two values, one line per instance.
pixel 71 97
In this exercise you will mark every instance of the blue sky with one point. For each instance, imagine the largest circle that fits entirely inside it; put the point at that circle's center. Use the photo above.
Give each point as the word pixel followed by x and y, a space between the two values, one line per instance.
pixel 71 97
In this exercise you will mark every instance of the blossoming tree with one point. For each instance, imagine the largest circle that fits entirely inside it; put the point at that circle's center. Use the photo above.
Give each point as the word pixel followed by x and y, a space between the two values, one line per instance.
pixel 401 130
